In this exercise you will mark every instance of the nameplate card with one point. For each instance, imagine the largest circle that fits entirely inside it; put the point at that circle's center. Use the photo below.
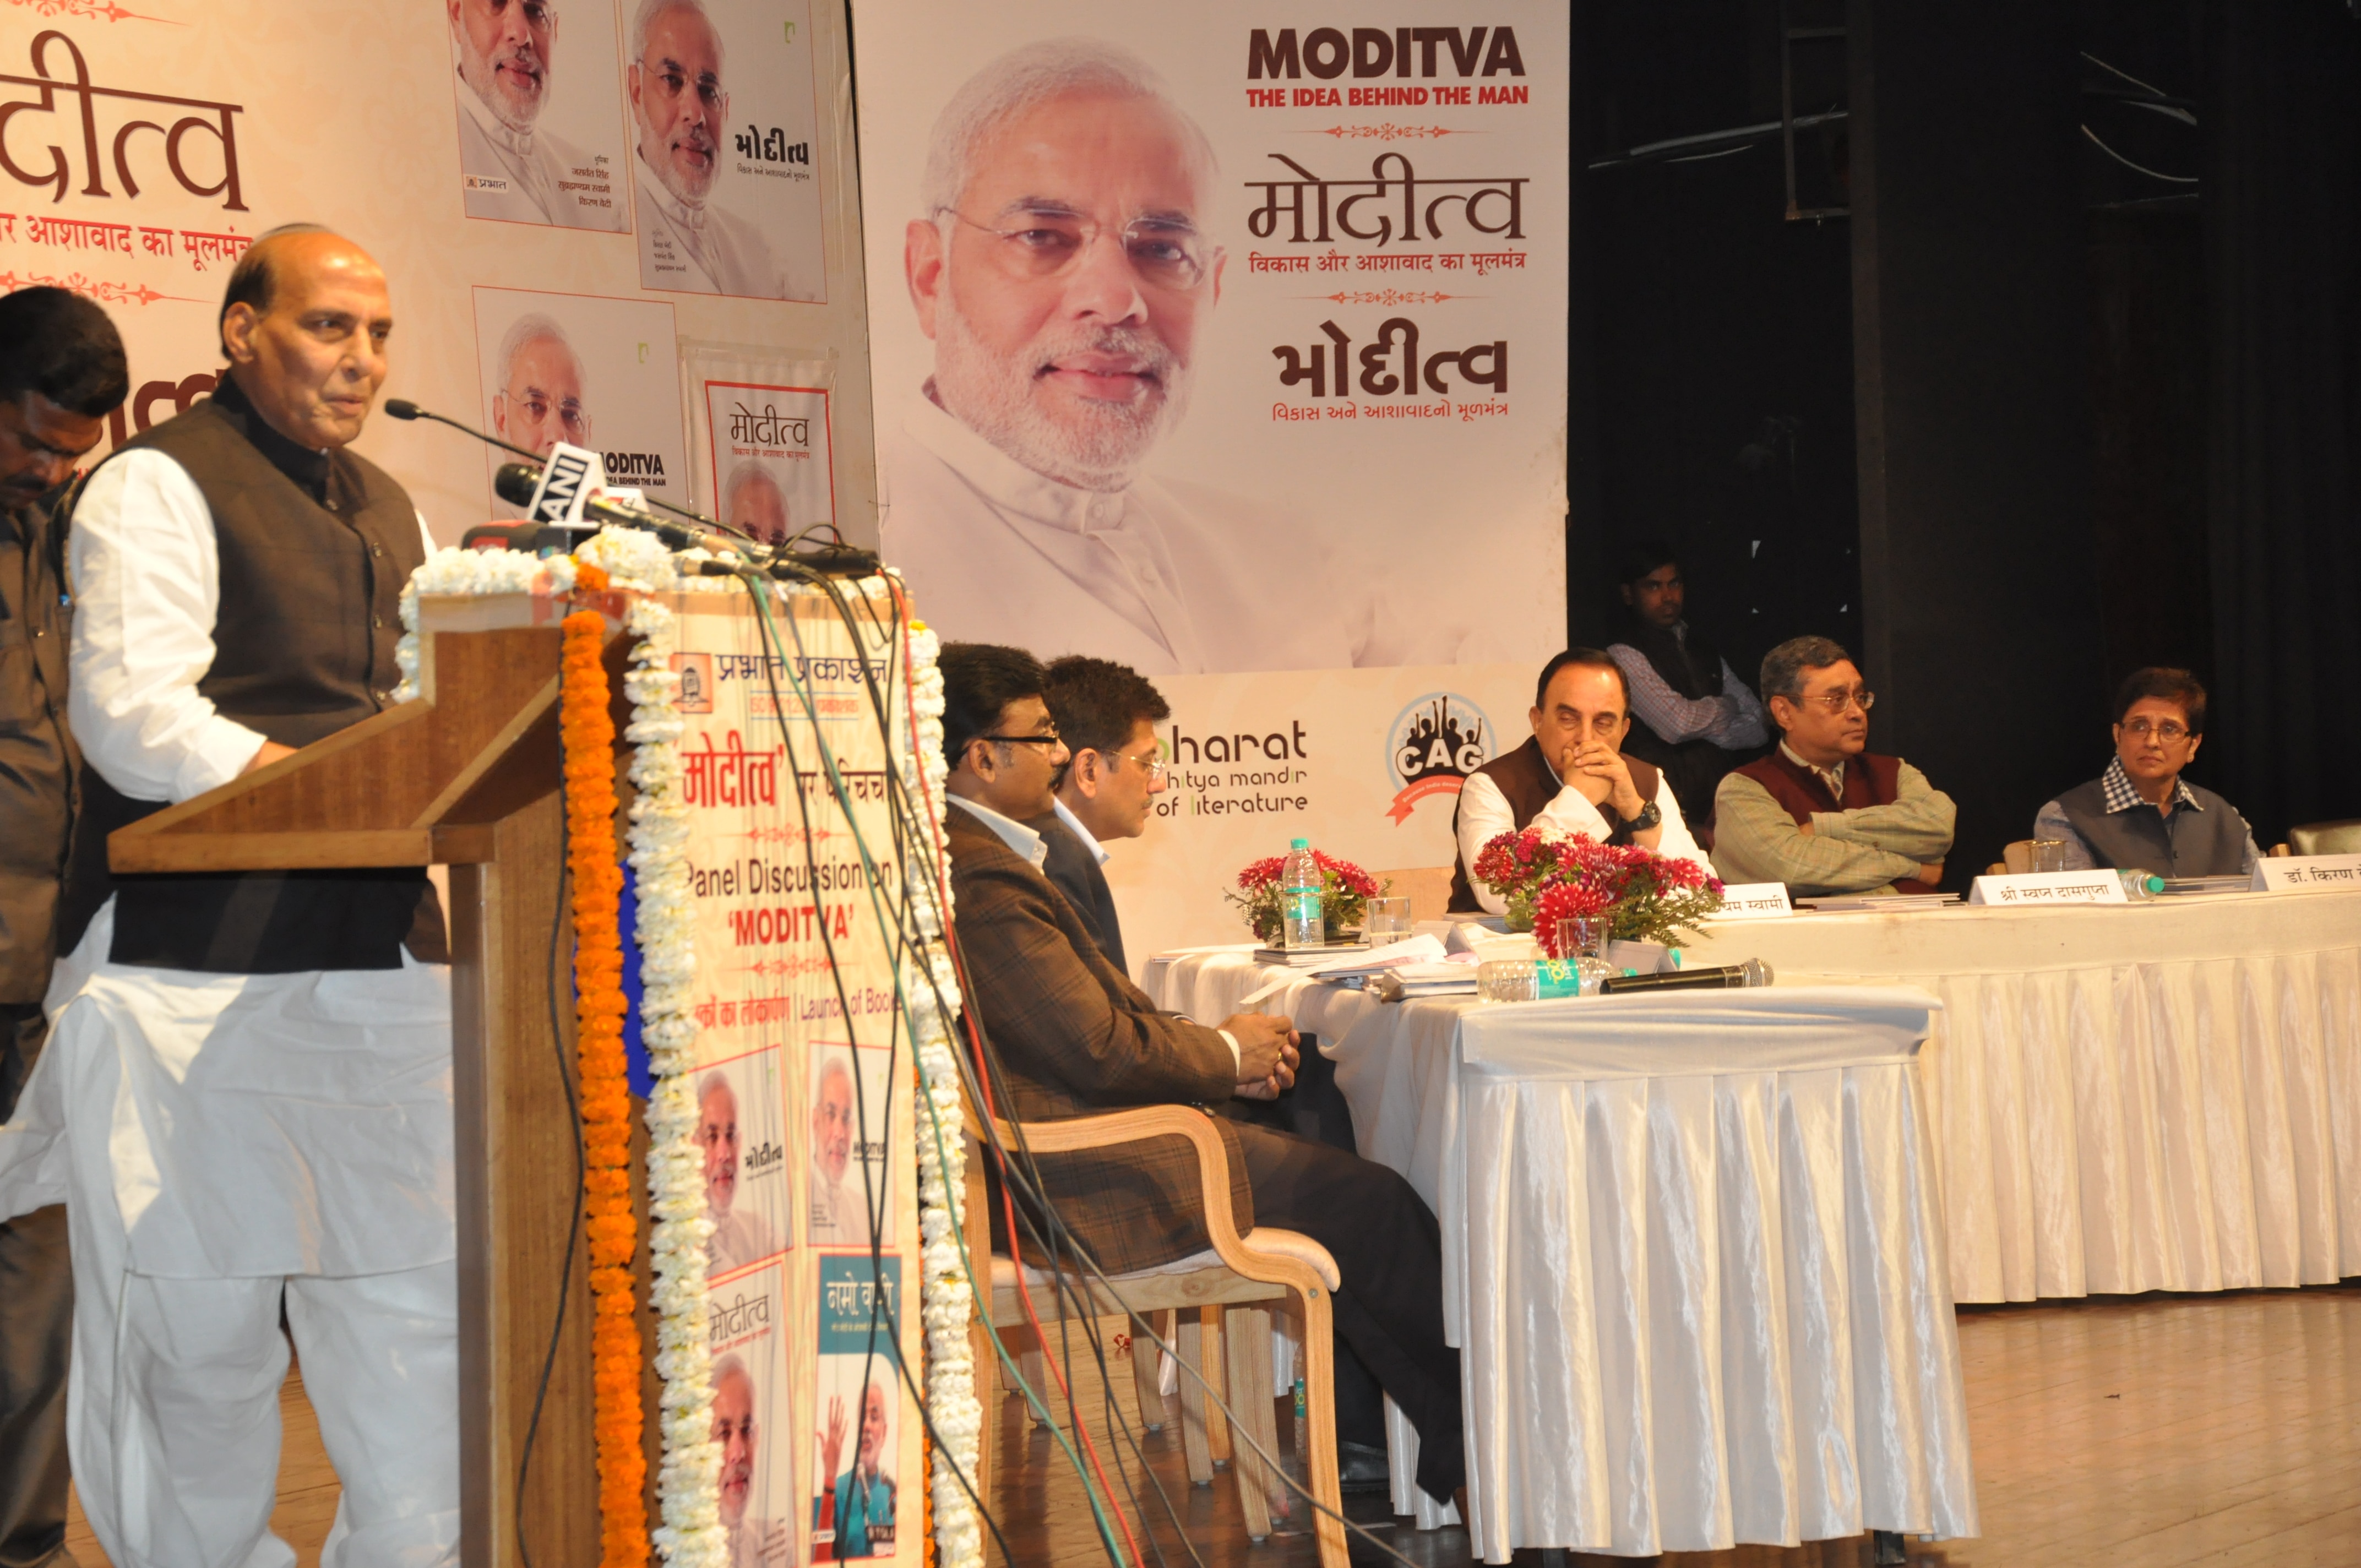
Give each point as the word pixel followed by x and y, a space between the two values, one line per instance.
pixel 1754 901
pixel 2310 873
pixel 2050 888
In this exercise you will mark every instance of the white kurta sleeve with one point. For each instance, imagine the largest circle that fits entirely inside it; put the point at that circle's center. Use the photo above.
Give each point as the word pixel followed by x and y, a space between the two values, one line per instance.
pixel 147 577
pixel 1483 816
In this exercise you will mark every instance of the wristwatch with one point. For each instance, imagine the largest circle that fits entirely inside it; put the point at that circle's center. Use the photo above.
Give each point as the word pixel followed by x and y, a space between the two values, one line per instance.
pixel 1650 815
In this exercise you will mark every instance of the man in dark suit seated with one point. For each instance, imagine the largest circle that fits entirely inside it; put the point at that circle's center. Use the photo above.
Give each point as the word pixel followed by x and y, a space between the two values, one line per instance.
pixel 2141 814
pixel 1106 714
pixel 1073 1037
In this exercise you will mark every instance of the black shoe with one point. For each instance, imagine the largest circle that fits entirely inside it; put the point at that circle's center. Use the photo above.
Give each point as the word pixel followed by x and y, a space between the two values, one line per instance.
pixel 1362 1470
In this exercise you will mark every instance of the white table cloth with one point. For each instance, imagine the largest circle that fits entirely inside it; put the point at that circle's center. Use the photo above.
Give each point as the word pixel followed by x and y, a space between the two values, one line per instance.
pixel 2158 1096
pixel 1693 1253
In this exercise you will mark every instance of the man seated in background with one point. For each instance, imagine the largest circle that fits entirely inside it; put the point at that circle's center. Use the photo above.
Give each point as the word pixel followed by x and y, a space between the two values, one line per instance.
pixel 1075 1036
pixel 1692 717
pixel 1823 813
pixel 1570 775
pixel 1106 714
pixel 2141 814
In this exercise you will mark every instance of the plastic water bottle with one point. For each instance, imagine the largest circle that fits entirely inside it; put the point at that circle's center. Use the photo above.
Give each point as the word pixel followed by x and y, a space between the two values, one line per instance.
pixel 1301 925
pixel 2139 887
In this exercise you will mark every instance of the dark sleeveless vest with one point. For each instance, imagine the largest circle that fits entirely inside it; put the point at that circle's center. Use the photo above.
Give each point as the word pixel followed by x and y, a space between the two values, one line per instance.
pixel 314 549
pixel 1692 667
pixel 1525 782
pixel 1870 779
pixel 2212 842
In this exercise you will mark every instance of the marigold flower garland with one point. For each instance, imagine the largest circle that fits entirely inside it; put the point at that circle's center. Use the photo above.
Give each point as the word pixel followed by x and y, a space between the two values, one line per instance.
pixel 613 1230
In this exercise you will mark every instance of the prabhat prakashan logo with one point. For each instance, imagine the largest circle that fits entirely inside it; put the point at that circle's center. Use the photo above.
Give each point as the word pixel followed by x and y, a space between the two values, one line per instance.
pixel 1434 744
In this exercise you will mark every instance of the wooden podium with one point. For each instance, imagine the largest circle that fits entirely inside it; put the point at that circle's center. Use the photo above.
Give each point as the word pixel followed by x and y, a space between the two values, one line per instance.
pixel 467 776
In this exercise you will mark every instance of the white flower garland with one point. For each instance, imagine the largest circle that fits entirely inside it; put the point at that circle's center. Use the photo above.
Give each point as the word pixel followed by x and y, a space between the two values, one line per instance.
pixel 947 1300
pixel 688 1483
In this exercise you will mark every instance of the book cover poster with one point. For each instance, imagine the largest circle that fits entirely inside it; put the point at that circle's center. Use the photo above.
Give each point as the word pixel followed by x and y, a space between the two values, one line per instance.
pixel 539 94
pixel 746 1178
pixel 585 370
pixel 766 455
pixel 859 1411
pixel 751 1424
pixel 722 127
pixel 851 1106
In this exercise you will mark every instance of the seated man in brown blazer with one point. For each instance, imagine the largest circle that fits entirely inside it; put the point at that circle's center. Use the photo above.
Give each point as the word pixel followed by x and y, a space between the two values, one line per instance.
pixel 1073 1035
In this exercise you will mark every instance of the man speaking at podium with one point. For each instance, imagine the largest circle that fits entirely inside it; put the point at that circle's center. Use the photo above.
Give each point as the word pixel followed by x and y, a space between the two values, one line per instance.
pixel 251 1071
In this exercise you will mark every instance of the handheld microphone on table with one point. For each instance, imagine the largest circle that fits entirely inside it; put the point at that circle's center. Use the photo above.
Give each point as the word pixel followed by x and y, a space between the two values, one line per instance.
pixel 1727 977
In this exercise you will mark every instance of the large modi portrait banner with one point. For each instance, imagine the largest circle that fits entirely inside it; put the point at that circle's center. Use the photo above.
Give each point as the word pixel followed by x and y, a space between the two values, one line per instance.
pixel 1224 340
pixel 1230 344
pixel 805 1081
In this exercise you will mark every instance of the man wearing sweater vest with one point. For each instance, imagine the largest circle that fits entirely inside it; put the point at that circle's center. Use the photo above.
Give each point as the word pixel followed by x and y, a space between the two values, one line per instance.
pixel 245 1100
pixel 1822 813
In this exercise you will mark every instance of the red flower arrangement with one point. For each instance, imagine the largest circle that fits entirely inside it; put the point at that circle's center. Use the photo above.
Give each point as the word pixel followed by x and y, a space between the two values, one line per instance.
pixel 1643 896
pixel 1344 893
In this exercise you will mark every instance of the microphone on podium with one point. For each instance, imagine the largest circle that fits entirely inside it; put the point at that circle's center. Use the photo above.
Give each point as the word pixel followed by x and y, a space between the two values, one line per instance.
pixel 520 484
pixel 404 409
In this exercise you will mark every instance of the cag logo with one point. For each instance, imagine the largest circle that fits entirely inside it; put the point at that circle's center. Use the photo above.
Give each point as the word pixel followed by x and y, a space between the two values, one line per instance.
pixel 1433 746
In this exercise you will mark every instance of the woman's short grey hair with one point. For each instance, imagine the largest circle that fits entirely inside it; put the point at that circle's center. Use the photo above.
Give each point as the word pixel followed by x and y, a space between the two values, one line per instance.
pixel 532 328
pixel 1785 667
pixel 1023 79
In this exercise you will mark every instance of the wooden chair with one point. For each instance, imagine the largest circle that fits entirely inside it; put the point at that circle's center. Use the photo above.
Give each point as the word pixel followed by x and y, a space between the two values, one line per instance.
pixel 1216 1298
pixel 1428 888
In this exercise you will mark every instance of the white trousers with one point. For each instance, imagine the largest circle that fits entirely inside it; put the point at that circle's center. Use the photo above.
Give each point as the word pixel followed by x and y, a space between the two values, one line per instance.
pixel 172 1409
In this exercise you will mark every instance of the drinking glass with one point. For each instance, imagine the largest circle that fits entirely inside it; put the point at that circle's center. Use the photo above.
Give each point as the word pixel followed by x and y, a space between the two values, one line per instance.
pixel 1385 920
pixel 1582 940
pixel 2049 855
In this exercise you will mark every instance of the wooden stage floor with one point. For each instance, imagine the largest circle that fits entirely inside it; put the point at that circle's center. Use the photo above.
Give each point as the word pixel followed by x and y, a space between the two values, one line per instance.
pixel 2117 1432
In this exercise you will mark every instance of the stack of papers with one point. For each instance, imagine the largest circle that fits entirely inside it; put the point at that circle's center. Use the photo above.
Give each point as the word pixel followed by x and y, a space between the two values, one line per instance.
pixel 2180 887
pixel 1880 903
pixel 1308 958
pixel 1419 950
pixel 1453 977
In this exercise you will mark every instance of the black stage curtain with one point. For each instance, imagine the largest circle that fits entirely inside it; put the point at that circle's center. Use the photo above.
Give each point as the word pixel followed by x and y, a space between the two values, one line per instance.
pixel 2281 208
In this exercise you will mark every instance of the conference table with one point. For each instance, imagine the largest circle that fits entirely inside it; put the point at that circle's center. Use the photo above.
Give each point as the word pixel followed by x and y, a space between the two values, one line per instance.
pixel 1693 1253
pixel 2161 1096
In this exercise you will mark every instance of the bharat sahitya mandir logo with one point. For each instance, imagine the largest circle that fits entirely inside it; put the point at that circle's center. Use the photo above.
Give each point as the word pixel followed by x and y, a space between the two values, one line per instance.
pixel 1431 747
